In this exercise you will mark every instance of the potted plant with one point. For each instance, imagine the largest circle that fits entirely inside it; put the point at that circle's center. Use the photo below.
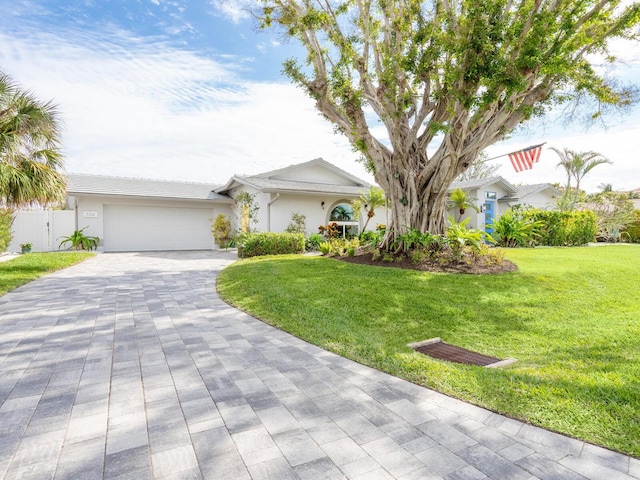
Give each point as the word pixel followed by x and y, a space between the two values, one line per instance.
pixel 25 247
pixel 221 230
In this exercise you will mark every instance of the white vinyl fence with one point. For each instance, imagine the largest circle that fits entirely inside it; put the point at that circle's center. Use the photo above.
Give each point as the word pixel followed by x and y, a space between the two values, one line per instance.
pixel 43 229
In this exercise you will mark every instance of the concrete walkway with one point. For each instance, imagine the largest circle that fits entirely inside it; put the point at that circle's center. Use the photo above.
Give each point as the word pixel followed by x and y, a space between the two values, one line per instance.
pixel 129 366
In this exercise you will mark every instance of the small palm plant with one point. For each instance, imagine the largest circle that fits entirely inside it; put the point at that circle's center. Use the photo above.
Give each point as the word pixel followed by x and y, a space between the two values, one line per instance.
pixel 80 241
pixel 459 200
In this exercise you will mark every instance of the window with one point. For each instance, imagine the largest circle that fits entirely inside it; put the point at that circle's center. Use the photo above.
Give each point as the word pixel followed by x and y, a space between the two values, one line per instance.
pixel 490 195
pixel 342 214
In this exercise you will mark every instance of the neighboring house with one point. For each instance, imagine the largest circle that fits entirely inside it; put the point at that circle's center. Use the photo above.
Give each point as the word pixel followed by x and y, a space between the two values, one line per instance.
pixel 495 195
pixel 317 189
pixel 130 214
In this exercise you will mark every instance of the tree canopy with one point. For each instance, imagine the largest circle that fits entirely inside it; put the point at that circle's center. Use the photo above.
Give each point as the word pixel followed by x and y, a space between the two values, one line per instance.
pixel 30 156
pixel 446 78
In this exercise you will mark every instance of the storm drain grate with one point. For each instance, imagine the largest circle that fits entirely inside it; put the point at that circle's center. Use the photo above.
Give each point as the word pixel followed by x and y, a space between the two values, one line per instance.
pixel 436 348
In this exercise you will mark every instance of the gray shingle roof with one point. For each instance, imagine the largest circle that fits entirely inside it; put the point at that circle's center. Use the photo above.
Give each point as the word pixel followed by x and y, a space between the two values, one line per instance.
pixel 267 185
pixel 139 187
pixel 524 190
pixel 481 182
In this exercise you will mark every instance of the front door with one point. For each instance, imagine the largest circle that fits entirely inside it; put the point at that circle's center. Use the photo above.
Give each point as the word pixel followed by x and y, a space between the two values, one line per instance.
pixel 489 215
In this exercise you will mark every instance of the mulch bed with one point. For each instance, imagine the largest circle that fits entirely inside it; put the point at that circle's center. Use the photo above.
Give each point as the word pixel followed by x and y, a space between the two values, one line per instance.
pixel 404 262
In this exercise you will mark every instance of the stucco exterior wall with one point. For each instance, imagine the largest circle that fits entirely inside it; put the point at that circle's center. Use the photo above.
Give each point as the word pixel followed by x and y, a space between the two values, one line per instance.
pixel 90 210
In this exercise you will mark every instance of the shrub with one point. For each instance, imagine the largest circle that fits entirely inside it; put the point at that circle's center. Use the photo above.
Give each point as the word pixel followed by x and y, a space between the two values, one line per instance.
pixel 370 238
pixel 513 229
pixel 6 219
pixel 633 231
pixel 270 243
pixel 325 248
pixel 340 246
pixel 329 231
pixel 221 229
pixel 558 229
pixel 313 242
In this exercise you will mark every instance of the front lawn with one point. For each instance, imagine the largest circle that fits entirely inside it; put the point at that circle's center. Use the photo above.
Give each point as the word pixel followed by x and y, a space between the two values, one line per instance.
pixel 30 266
pixel 571 316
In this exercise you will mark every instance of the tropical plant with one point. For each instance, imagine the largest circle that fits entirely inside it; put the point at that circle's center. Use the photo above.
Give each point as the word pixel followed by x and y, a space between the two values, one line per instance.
pixel 221 229
pixel 369 200
pixel 248 209
pixel 30 156
pixel 329 231
pixel 314 241
pixel 325 248
pixel 459 236
pixel 614 212
pixel 576 166
pixel 513 229
pixel 80 241
pixel 462 75
pixel 460 200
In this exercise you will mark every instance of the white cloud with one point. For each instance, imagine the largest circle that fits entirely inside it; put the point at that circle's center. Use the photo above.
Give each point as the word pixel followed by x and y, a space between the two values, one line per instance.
pixel 235 10
pixel 134 108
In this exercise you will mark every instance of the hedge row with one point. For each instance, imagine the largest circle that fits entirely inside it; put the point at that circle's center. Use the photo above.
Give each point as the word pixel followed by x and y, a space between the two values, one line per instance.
pixel 270 243
pixel 563 228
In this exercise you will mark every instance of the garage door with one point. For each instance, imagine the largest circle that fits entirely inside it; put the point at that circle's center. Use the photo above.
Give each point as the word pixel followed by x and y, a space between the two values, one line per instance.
pixel 137 228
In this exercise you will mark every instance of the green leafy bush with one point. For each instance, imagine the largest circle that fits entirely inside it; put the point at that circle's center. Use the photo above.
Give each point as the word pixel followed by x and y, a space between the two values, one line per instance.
pixel 6 219
pixel 341 246
pixel 325 248
pixel 270 243
pixel 557 229
pixel 633 231
pixel 313 242
pixel 513 229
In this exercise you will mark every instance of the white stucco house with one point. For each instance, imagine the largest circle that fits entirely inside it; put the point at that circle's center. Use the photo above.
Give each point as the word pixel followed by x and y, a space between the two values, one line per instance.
pixel 317 189
pixel 130 214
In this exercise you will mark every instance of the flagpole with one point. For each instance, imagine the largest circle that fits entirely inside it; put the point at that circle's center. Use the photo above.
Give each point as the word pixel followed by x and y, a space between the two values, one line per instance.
pixel 515 151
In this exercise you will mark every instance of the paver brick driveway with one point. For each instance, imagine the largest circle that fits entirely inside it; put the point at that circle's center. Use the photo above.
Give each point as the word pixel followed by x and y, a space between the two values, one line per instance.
pixel 130 366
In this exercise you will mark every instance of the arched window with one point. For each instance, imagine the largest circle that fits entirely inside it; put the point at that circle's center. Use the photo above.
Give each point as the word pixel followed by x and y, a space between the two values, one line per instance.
pixel 342 214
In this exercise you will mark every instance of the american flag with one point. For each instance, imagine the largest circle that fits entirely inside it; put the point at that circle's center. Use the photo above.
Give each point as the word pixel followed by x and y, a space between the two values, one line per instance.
pixel 524 159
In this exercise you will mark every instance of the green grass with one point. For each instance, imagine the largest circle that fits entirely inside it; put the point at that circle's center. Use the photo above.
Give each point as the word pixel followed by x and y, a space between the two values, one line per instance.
pixel 30 266
pixel 571 316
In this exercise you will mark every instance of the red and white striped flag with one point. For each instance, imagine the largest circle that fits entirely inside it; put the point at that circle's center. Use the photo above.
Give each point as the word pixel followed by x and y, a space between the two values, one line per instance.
pixel 524 159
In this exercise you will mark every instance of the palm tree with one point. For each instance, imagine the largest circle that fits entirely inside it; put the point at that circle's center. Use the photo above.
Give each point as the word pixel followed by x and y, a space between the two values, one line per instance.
pixel 369 200
pixel 29 148
pixel 459 200
pixel 576 166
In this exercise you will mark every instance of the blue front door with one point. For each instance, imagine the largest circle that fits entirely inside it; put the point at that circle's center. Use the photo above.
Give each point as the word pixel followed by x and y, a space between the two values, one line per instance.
pixel 489 215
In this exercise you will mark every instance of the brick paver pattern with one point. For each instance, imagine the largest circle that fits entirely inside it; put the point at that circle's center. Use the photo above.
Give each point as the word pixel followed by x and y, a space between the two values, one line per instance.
pixel 129 366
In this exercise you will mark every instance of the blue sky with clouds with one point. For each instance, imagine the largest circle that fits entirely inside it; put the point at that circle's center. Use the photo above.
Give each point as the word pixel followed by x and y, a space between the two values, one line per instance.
pixel 191 90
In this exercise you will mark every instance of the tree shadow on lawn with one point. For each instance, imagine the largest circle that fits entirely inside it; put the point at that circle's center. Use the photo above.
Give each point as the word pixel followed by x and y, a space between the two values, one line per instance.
pixel 471 311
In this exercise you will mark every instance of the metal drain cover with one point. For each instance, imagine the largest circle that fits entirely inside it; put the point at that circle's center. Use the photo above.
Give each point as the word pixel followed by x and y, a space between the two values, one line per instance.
pixel 436 348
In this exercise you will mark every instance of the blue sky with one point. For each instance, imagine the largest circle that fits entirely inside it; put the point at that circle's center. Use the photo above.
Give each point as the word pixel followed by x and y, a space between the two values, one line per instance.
pixel 191 90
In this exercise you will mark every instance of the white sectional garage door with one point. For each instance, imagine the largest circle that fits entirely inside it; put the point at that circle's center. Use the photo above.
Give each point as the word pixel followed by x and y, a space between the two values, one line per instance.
pixel 140 228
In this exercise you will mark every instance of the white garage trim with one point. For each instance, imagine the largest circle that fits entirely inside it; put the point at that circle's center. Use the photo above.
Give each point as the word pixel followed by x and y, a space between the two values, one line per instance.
pixel 145 228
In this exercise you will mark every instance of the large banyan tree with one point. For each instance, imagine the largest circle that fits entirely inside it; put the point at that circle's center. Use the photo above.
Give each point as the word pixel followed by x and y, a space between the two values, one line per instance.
pixel 446 78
